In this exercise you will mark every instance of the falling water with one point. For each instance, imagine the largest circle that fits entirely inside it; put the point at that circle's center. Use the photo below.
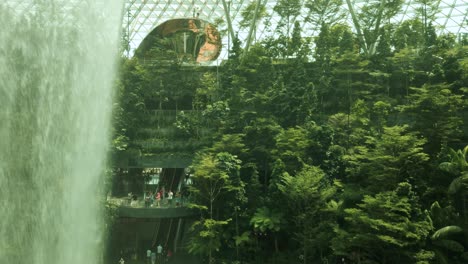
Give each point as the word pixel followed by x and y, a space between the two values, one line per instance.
pixel 57 61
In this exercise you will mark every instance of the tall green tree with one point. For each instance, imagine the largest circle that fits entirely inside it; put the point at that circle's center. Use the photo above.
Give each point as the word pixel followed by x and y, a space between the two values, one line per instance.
pixel 324 11
pixel 370 19
pixel 309 195
pixel 211 180
pixel 427 11
pixel 248 15
pixel 436 112
pixel 288 10
pixel 388 227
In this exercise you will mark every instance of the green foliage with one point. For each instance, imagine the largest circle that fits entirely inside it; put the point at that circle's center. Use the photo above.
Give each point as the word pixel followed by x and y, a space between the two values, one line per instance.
pixel 336 149
pixel 287 9
pixel 459 184
pixel 324 11
pixel 435 113
pixel 382 224
pixel 408 34
pixel 248 14
pixel 333 42
pixel 260 139
pixel 207 236
pixel 306 189
pixel 309 197
pixel 120 142
pixel 446 232
pixel 458 163
pixel 428 10
pixel 291 145
pixel 383 162
pixel 265 220
pixel 230 143
pixel 451 245
pixel 424 257
pixel 212 176
pixel 244 238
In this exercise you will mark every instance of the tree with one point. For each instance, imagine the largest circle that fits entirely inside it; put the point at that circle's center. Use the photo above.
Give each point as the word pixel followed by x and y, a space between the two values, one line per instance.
pixel 297 47
pixel 260 140
pixel 324 11
pixel 427 11
pixel 265 220
pixel 211 177
pixel 408 35
pixel 207 237
pixel 387 227
pixel 248 15
pixel 289 10
pixel 369 21
pixel 458 189
pixel 384 161
pixel 210 180
pixel 291 146
pixel 309 195
pixel 447 241
pixel 131 87
pixel 436 113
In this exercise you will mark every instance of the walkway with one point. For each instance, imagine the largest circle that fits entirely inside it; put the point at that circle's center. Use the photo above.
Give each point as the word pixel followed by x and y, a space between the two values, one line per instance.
pixel 137 209
pixel 177 259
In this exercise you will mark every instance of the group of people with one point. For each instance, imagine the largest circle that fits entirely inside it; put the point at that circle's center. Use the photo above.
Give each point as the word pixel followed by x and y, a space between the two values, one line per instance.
pixel 162 255
pixel 160 197
pixel 159 256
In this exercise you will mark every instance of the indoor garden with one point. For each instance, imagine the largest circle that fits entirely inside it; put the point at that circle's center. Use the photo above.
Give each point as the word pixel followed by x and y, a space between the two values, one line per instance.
pixel 234 132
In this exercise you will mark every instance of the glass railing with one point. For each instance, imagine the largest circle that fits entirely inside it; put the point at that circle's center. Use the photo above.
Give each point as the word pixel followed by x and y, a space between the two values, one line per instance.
pixel 140 202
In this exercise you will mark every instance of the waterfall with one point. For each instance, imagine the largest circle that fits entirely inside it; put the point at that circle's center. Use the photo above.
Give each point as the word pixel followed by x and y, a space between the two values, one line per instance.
pixel 57 64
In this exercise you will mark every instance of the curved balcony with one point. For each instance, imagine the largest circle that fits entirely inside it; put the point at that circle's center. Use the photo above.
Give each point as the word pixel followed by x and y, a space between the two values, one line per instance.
pixel 138 209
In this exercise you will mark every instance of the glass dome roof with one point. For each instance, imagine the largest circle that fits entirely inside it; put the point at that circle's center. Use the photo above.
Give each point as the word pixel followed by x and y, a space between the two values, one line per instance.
pixel 143 16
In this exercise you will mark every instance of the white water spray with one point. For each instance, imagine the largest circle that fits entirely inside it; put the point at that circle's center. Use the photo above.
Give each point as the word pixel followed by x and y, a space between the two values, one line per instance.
pixel 57 63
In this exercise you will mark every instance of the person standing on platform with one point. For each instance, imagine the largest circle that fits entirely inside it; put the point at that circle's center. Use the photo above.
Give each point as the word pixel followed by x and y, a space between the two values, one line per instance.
pixel 153 257
pixel 177 199
pixel 129 198
pixel 147 199
pixel 170 194
pixel 148 256
pixel 158 199
pixel 159 249
pixel 151 199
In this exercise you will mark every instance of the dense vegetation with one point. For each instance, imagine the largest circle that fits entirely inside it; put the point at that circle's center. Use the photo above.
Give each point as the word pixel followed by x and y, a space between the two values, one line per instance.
pixel 346 147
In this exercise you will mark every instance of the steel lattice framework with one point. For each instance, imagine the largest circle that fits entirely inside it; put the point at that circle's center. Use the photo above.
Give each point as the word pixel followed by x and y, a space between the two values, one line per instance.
pixel 142 16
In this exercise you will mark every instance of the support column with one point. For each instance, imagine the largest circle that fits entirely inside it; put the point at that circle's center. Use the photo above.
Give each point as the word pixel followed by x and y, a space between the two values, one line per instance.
pixel 228 18
pixel 168 232
pixel 357 26
pixel 177 236
pixel 253 25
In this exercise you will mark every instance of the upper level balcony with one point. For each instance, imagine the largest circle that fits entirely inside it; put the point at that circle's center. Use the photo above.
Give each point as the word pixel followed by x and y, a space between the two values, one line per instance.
pixel 137 208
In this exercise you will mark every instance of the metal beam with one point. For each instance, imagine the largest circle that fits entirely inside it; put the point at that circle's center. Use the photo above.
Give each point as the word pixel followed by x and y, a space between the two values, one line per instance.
pixel 253 24
pixel 228 18
pixel 357 26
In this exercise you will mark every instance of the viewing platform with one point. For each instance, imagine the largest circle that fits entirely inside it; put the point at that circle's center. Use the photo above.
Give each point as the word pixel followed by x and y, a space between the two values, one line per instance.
pixel 137 209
